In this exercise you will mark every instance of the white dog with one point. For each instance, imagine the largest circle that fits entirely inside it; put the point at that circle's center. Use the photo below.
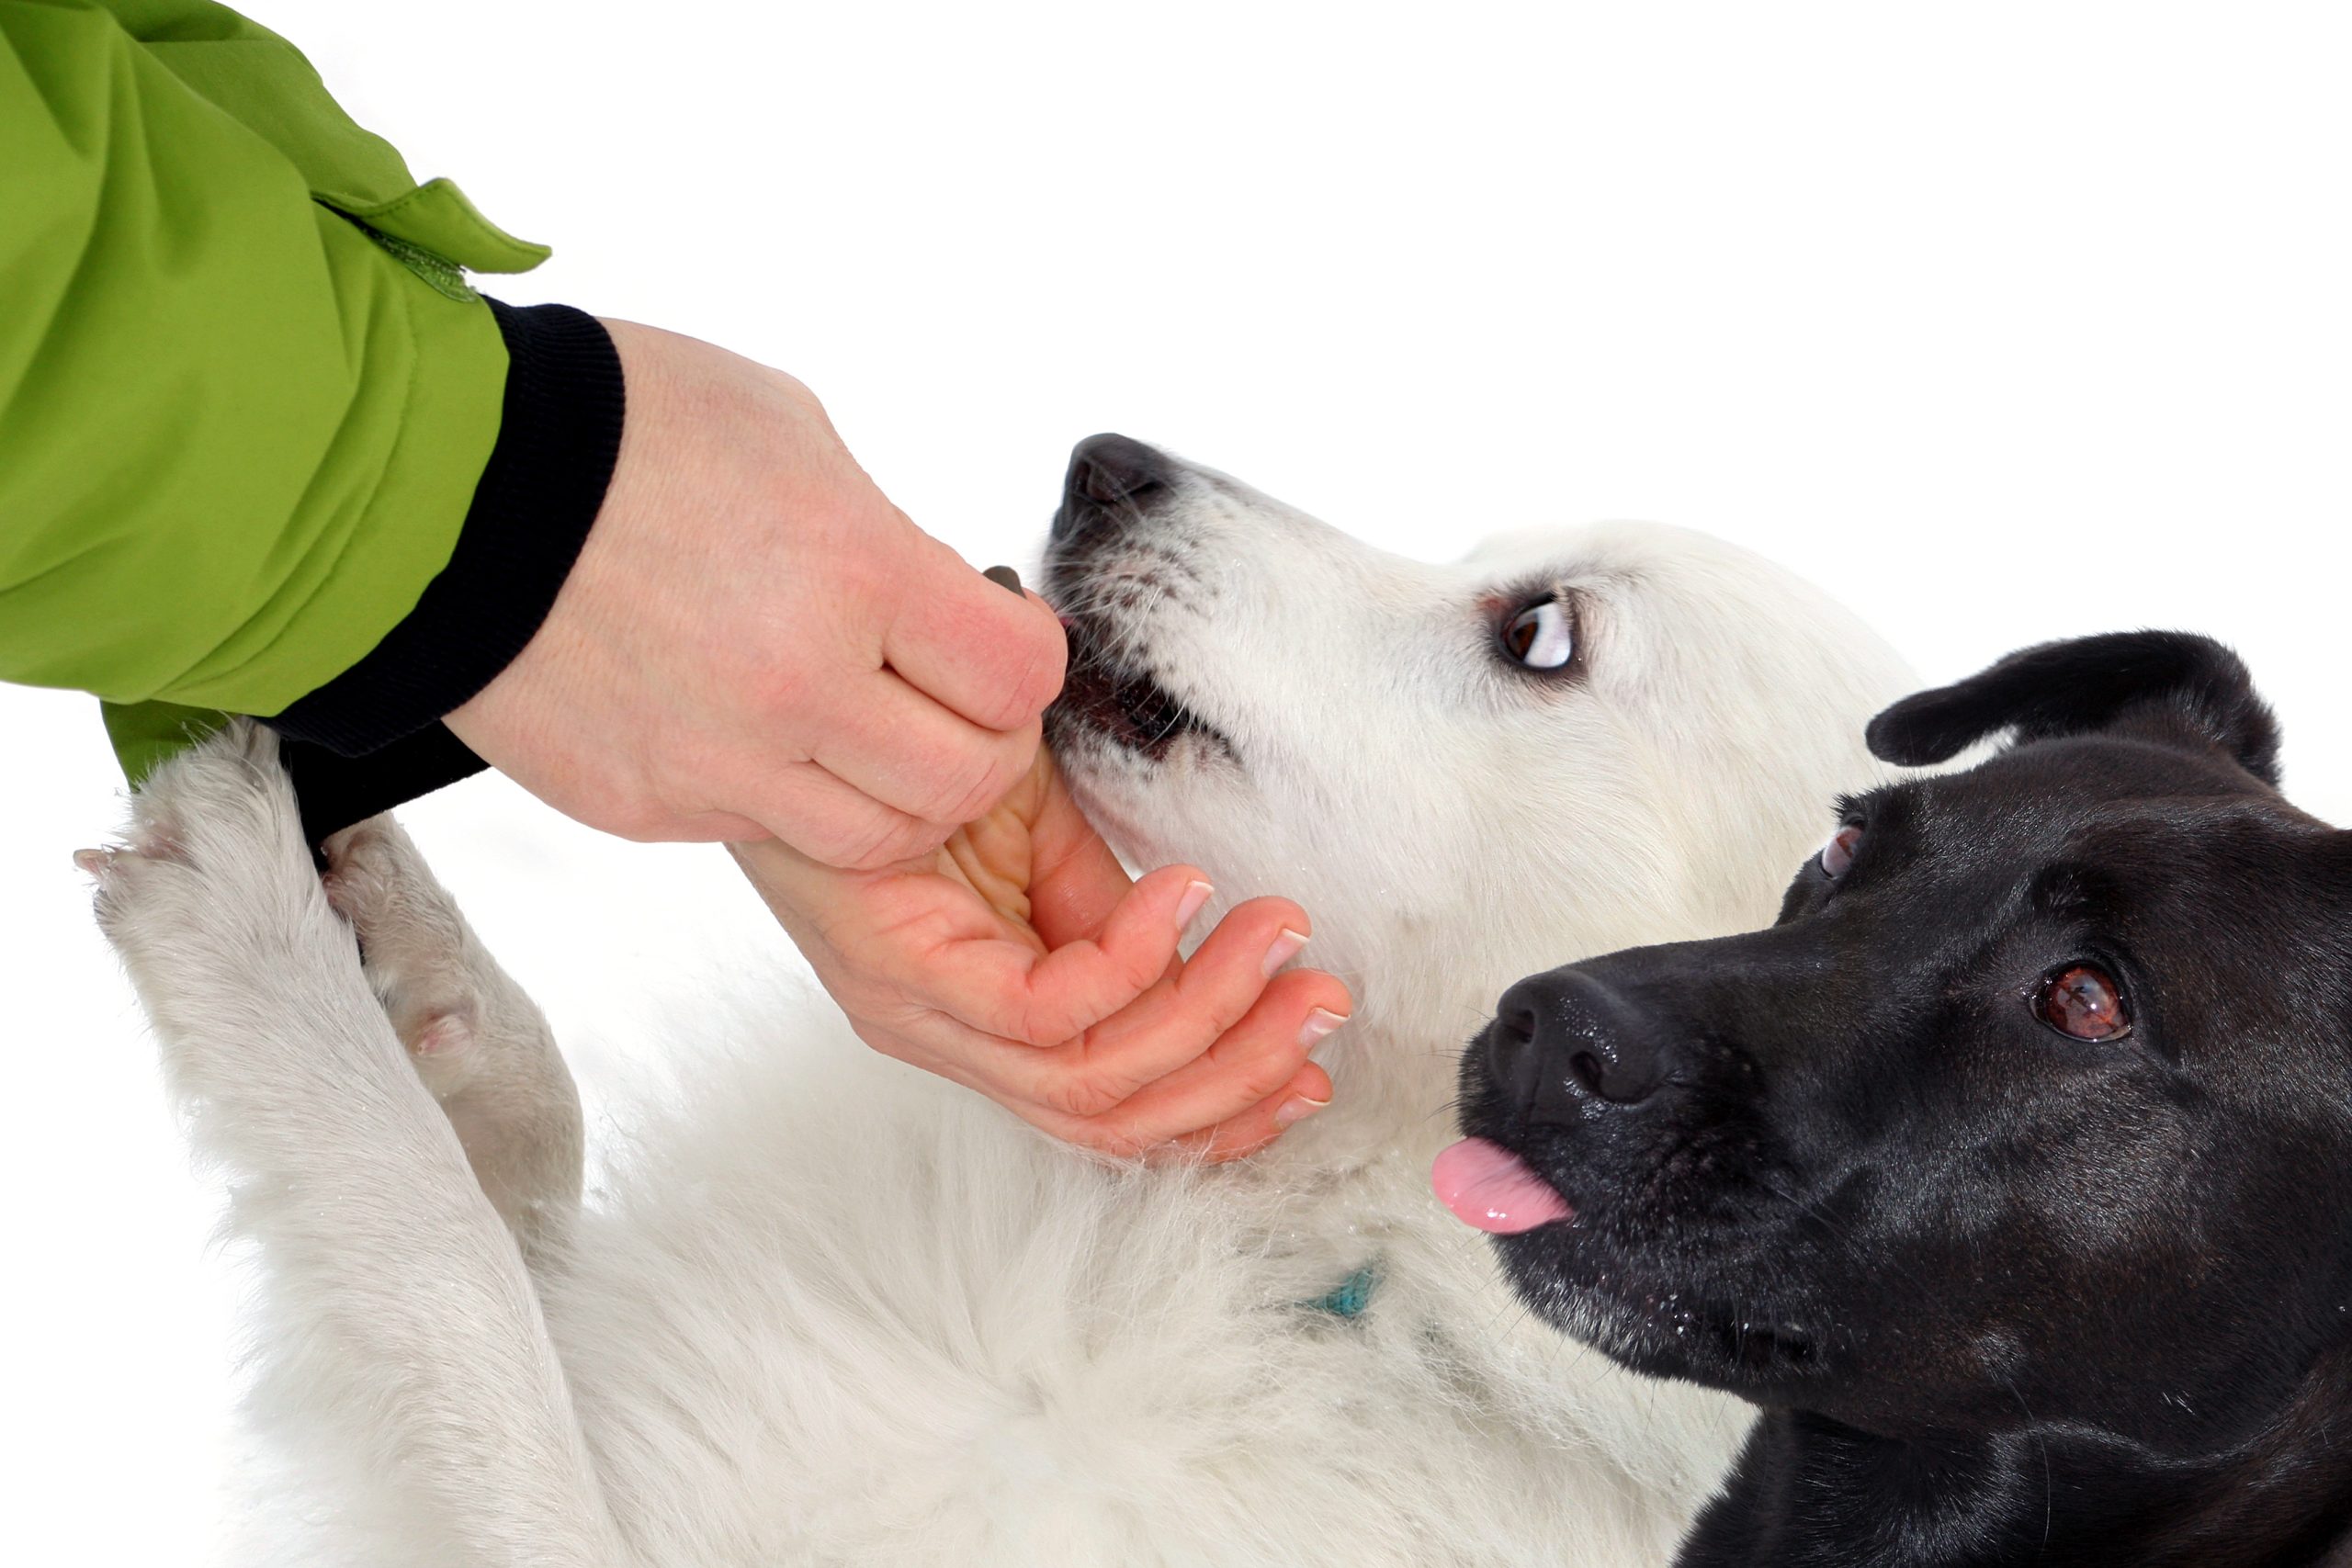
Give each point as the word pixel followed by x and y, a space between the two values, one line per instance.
pixel 833 1311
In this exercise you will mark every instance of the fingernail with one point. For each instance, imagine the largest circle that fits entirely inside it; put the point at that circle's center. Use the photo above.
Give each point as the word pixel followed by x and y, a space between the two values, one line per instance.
pixel 1196 895
pixel 1285 948
pixel 1320 1022
pixel 1298 1108
pixel 1005 577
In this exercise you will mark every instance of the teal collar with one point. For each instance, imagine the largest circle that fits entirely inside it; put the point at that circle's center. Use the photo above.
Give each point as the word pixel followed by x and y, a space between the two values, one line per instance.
pixel 1350 1296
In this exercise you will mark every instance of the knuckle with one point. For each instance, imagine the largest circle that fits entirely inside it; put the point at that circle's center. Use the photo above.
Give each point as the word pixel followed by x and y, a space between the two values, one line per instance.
pixel 778 696
pixel 1268 1072
pixel 1248 1074
pixel 1116 1137
pixel 1020 1016
pixel 999 709
pixel 1033 677
pixel 913 840
pixel 1256 1058
pixel 848 846
pixel 1083 1094
pixel 1101 1140
pixel 983 796
pixel 1141 969
pixel 873 855
pixel 1229 1146
pixel 969 786
pixel 870 844
pixel 1226 1014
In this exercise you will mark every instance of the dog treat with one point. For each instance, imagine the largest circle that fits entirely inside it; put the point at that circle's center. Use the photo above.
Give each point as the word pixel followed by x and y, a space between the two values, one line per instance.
pixel 1007 576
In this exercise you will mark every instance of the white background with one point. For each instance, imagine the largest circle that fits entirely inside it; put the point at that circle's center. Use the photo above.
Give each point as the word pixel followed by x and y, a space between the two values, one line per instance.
pixel 2003 323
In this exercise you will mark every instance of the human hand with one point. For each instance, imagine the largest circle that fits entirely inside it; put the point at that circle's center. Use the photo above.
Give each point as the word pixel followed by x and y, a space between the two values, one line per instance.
pixel 1018 960
pixel 754 641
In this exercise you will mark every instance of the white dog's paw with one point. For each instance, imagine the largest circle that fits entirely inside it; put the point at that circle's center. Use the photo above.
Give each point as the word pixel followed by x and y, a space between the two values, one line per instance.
pixel 211 864
pixel 476 1038
pixel 438 983
pixel 211 901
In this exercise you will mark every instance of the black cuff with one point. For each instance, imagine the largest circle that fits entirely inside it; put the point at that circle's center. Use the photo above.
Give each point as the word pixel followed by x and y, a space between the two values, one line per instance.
pixel 558 434
pixel 335 792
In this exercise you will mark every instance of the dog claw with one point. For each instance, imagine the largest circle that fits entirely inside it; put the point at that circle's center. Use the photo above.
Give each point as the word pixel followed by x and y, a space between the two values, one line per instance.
pixel 96 862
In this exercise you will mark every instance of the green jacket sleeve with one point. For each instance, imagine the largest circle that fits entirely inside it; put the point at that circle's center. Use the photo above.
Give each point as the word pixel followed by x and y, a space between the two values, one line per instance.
pixel 245 397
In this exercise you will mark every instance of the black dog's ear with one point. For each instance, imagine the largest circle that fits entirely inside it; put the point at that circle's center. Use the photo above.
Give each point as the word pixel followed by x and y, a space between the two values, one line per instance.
pixel 2169 681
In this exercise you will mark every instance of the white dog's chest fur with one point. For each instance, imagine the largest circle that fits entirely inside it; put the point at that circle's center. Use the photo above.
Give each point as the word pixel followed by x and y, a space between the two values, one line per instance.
pixel 1064 1363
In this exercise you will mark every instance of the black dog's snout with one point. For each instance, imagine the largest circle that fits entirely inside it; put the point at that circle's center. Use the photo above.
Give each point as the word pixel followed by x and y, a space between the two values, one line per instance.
pixel 1563 1039
pixel 1109 475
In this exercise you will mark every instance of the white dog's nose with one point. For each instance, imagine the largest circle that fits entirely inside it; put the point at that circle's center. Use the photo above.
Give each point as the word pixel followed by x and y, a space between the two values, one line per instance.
pixel 1110 476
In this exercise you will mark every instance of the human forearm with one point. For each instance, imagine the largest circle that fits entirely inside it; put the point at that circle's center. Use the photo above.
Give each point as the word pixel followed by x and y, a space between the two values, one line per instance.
pixel 237 436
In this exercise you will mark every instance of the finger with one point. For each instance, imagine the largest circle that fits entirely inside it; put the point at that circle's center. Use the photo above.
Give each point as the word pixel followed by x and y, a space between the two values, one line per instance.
pixel 968 645
pixel 941 1046
pixel 1194 1011
pixel 1004 988
pixel 1247 1063
pixel 931 944
pixel 1075 880
pixel 898 746
pixel 1305 1094
pixel 1175 1025
pixel 833 822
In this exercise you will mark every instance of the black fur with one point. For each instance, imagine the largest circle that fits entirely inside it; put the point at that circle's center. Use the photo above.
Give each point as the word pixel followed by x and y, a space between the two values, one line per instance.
pixel 2003 1295
pixel 2168 685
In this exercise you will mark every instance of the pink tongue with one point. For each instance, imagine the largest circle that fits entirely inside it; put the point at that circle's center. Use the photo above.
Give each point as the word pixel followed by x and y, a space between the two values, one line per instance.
pixel 1487 1186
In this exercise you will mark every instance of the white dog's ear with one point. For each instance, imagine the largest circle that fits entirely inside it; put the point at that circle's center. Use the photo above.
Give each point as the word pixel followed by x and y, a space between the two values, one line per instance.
pixel 2173 686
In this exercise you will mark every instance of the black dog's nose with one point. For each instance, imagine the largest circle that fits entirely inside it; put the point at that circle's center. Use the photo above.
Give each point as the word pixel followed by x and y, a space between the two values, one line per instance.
pixel 1109 475
pixel 1563 1039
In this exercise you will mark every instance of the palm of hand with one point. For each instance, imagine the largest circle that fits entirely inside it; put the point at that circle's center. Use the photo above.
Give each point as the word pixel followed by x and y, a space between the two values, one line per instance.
pixel 1018 959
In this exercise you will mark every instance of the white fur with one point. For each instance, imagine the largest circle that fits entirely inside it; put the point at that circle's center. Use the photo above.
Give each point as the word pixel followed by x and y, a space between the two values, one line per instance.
pixel 828 1310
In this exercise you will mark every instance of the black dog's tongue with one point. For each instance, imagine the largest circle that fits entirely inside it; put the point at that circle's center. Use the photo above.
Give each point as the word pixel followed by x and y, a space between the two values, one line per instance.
pixel 1487 1186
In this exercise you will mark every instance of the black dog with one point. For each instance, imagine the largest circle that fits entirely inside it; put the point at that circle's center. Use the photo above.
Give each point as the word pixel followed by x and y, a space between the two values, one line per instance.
pixel 2010 1173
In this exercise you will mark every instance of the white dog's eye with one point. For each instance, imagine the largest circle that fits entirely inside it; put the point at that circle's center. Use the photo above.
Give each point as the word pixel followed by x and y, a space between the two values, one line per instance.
pixel 1540 636
pixel 1839 853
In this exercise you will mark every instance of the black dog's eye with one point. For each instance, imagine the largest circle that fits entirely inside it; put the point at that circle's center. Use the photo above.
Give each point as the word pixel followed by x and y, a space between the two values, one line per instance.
pixel 1839 853
pixel 1540 636
pixel 2083 1002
